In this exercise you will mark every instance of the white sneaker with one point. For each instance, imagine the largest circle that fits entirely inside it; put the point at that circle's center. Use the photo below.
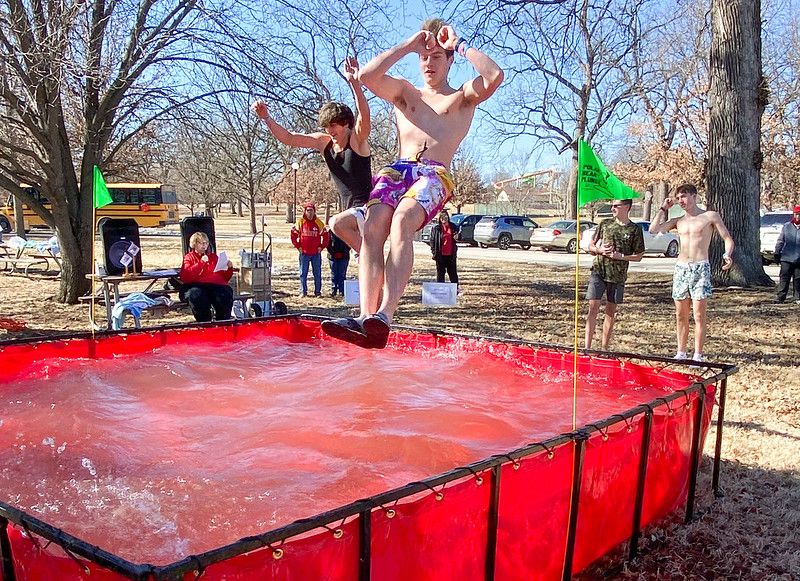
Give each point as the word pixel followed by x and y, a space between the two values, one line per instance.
pixel 681 355
pixel 699 357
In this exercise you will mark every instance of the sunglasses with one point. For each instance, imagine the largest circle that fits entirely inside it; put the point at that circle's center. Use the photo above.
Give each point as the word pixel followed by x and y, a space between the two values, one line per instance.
pixel 617 205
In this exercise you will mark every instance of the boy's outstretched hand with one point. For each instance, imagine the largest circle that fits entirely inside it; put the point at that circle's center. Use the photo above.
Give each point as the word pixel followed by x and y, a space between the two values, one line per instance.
pixel 351 69
pixel 260 108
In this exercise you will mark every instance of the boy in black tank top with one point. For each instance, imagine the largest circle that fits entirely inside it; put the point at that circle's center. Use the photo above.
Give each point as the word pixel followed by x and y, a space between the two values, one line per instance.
pixel 344 148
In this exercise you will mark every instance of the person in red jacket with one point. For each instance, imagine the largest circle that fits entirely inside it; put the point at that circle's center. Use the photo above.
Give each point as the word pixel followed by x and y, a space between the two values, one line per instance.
pixel 310 236
pixel 205 288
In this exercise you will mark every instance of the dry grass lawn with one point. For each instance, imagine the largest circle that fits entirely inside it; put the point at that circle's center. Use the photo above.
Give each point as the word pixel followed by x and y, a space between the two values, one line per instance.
pixel 750 533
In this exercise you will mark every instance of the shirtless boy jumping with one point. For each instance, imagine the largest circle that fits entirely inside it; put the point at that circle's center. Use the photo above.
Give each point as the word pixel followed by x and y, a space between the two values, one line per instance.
pixel 345 150
pixel 432 120
pixel 692 277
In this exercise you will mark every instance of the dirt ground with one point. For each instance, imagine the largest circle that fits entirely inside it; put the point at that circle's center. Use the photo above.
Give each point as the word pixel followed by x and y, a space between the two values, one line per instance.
pixel 750 533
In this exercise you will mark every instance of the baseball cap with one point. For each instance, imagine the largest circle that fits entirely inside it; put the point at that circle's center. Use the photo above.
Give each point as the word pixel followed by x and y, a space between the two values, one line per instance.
pixel 797 209
pixel 309 205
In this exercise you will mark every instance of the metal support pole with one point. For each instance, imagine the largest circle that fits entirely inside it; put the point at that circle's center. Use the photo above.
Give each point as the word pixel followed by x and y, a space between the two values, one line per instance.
pixel 718 448
pixel 294 198
pixel 365 545
pixel 494 519
pixel 640 484
pixel 695 454
pixel 577 477
pixel 5 552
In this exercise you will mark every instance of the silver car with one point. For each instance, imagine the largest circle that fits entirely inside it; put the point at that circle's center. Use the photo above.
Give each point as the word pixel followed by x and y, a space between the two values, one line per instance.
pixel 504 231
pixel 667 243
pixel 771 226
pixel 560 235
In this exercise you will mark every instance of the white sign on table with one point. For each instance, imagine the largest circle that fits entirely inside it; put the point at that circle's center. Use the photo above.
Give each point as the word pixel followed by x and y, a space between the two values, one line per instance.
pixel 439 294
pixel 351 294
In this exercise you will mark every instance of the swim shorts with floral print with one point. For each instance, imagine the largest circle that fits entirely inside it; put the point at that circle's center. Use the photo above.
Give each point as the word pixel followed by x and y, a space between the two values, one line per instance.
pixel 426 181
pixel 691 280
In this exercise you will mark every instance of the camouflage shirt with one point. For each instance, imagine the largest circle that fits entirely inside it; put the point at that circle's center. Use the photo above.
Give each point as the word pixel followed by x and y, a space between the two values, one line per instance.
pixel 627 238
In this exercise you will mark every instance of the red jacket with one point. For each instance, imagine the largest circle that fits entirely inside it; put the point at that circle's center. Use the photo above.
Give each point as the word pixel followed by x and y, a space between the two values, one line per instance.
pixel 310 237
pixel 195 269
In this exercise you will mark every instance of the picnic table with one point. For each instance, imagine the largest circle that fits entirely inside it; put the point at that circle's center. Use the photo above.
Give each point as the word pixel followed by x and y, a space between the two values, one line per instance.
pixel 22 258
pixel 109 293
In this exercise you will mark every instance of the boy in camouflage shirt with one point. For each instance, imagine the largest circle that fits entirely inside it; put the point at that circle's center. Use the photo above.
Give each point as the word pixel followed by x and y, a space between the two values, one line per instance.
pixel 616 242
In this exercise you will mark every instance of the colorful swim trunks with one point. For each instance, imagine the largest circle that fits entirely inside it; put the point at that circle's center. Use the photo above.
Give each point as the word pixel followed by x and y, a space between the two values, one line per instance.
pixel 426 181
pixel 691 279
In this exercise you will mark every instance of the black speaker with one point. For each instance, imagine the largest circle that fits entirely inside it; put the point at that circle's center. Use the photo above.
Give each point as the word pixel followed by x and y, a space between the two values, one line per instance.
pixel 192 224
pixel 120 239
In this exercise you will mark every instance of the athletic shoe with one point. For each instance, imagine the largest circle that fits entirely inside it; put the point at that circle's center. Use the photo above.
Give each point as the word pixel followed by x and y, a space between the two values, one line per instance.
pixel 377 329
pixel 347 329
pixel 681 355
pixel 699 357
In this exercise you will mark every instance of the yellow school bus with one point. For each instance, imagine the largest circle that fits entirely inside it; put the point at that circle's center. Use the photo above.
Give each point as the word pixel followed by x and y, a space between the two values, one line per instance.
pixel 151 205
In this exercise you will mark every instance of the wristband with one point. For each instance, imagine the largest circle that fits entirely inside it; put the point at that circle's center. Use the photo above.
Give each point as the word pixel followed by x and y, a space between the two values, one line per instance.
pixel 726 256
pixel 461 47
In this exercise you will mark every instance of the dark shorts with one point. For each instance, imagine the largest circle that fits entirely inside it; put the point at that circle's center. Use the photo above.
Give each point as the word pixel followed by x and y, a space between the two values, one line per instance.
pixel 614 291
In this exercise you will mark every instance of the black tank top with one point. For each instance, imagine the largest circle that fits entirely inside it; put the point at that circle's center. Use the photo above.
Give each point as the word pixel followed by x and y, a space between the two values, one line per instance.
pixel 352 174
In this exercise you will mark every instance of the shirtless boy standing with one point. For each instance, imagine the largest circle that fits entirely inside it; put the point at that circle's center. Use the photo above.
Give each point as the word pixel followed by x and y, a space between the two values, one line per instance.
pixel 692 277
pixel 432 120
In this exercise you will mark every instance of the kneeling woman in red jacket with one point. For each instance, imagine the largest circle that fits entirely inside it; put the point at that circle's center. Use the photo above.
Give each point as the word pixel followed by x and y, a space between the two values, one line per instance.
pixel 204 288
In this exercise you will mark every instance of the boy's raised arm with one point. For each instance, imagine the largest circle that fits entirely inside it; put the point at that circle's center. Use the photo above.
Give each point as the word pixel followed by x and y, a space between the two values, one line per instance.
pixel 363 120
pixel 374 73
pixel 310 140
pixel 490 75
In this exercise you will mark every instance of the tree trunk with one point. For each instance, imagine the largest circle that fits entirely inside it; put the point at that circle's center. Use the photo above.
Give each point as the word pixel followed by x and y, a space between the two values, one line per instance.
pixel 19 217
pixel 73 225
pixel 659 194
pixel 571 203
pixel 252 198
pixel 737 96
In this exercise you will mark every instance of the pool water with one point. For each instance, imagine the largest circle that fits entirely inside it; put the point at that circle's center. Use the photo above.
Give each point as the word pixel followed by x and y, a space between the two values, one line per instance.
pixel 157 456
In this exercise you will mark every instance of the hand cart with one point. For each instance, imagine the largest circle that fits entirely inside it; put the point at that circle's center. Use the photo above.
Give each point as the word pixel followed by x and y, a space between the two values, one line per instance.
pixel 255 277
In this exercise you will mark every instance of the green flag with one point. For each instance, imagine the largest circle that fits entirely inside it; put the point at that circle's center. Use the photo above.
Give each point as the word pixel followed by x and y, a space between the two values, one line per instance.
pixel 595 182
pixel 101 195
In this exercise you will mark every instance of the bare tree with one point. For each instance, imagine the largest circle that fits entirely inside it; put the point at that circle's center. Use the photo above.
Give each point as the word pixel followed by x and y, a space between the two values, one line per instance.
pixel 470 187
pixel 669 77
pixel 83 79
pixel 737 96
pixel 566 85
pixel 780 140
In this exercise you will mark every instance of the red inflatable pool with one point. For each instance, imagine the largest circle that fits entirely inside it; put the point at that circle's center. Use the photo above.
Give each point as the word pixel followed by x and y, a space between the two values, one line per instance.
pixel 502 486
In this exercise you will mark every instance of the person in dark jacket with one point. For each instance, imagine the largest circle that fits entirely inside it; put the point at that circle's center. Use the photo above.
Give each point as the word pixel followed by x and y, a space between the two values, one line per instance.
pixel 444 248
pixel 338 258
pixel 204 287
pixel 787 254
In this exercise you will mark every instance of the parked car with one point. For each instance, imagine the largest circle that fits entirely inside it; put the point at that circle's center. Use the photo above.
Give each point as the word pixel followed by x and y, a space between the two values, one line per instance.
pixel 466 226
pixel 667 243
pixel 505 231
pixel 424 235
pixel 771 226
pixel 560 235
